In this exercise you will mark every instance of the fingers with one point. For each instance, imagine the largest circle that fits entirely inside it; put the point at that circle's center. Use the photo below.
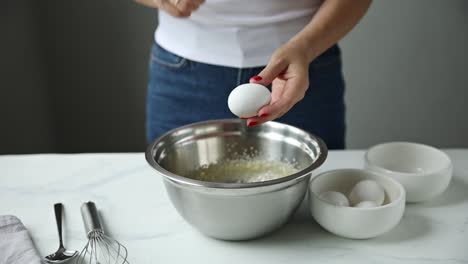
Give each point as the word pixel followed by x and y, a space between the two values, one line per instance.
pixel 181 8
pixel 197 2
pixel 277 109
pixel 172 9
pixel 186 6
pixel 285 94
pixel 274 68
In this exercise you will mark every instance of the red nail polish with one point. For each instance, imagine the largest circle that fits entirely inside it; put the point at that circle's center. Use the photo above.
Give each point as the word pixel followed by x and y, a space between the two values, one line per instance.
pixel 256 78
pixel 251 124
pixel 264 115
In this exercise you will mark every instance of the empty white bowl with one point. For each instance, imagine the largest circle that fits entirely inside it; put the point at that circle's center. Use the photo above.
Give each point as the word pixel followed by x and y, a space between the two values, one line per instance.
pixel 424 171
pixel 354 222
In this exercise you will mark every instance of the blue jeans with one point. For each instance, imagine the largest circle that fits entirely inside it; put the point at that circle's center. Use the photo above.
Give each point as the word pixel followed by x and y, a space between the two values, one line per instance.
pixel 181 91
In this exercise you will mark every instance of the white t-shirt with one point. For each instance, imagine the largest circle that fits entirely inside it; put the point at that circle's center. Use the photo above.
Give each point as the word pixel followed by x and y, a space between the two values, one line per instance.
pixel 234 33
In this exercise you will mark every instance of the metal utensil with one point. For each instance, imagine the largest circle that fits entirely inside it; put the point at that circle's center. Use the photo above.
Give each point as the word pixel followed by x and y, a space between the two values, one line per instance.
pixel 235 211
pixel 62 255
pixel 100 249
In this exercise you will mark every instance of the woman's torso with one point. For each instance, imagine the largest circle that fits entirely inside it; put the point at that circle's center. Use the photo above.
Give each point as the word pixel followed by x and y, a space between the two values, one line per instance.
pixel 234 33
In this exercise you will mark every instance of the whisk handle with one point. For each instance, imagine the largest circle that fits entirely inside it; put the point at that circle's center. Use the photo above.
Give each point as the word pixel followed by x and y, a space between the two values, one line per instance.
pixel 91 219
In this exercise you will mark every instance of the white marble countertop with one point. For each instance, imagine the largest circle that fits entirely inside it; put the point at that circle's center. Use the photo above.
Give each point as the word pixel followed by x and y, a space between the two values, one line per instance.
pixel 136 210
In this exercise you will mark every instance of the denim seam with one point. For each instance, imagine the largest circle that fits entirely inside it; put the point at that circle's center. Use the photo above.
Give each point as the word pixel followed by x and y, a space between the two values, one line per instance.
pixel 168 64
pixel 239 76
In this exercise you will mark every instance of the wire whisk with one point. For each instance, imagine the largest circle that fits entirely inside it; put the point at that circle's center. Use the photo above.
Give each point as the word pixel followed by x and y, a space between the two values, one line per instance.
pixel 100 248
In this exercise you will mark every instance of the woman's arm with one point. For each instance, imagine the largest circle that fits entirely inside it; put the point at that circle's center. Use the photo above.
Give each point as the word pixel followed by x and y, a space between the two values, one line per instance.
pixel 177 8
pixel 287 70
pixel 334 19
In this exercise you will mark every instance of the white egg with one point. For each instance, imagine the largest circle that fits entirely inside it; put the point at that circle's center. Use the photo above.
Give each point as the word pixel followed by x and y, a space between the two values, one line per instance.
pixel 335 198
pixel 366 204
pixel 246 99
pixel 367 190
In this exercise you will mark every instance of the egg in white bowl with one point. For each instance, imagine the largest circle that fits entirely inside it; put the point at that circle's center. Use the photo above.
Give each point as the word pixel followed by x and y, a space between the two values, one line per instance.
pixel 335 198
pixel 367 190
pixel 366 219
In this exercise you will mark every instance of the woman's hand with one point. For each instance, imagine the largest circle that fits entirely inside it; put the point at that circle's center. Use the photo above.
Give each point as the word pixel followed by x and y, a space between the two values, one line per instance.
pixel 177 8
pixel 288 67
pixel 288 74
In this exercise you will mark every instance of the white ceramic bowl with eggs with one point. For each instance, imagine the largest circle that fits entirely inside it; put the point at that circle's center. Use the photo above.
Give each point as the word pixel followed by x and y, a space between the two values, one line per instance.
pixel 355 222
pixel 424 171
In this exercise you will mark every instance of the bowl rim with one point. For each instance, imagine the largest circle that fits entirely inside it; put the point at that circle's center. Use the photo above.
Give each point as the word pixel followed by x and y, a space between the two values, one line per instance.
pixel 396 202
pixel 380 169
pixel 322 155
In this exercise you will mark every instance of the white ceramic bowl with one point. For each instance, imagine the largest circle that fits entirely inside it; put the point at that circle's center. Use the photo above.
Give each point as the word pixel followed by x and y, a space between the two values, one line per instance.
pixel 353 222
pixel 424 171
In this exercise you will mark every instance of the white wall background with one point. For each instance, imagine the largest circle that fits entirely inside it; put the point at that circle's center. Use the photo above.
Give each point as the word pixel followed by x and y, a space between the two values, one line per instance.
pixel 406 68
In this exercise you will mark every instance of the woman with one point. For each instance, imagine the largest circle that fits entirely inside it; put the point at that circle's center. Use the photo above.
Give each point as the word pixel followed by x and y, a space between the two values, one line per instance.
pixel 204 49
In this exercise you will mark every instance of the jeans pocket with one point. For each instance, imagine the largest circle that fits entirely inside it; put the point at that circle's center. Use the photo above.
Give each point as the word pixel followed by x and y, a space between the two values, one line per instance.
pixel 166 58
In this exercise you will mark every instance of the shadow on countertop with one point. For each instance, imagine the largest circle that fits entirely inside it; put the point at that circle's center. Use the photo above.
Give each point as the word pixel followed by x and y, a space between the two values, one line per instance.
pixel 456 193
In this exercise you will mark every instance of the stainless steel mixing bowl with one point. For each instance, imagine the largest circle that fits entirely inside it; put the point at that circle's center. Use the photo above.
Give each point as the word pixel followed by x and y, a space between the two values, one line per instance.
pixel 234 211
